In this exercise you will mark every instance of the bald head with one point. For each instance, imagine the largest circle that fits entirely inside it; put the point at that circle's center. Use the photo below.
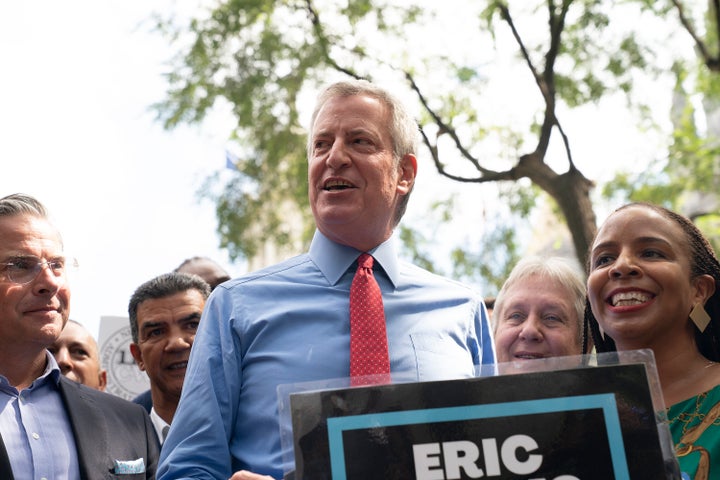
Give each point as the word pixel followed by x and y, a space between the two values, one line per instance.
pixel 76 352
pixel 205 268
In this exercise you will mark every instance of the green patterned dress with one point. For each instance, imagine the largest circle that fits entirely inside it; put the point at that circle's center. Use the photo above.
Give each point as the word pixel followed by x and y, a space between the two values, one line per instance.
pixel 695 427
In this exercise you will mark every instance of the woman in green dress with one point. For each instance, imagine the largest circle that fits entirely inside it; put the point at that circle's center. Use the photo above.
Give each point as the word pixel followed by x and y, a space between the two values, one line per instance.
pixel 653 283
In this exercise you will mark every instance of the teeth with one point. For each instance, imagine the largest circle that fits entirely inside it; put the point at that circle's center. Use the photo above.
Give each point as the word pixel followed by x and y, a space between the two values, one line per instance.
pixel 178 366
pixel 528 356
pixel 336 184
pixel 629 298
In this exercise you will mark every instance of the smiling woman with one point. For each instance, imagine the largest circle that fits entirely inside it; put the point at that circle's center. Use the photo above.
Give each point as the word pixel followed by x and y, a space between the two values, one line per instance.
pixel 538 311
pixel 653 283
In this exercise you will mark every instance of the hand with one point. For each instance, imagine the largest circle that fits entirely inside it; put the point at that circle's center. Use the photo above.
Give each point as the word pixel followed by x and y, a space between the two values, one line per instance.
pixel 245 475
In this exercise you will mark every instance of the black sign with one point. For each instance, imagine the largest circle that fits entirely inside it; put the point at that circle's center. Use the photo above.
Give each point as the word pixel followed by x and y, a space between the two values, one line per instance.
pixel 580 424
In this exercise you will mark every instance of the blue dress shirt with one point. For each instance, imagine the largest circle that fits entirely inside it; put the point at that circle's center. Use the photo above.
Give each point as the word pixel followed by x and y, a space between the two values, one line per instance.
pixel 289 323
pixel 36 429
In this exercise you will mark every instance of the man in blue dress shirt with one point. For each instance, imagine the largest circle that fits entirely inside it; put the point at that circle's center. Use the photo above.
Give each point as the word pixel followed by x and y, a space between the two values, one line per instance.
pixel 289 323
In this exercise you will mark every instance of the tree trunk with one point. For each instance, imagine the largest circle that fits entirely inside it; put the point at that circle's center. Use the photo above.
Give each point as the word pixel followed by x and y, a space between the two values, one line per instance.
pixel 571 191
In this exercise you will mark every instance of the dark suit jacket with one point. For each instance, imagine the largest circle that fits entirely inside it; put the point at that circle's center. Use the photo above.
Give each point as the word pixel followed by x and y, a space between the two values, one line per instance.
pixel 144 399
pixel 106 428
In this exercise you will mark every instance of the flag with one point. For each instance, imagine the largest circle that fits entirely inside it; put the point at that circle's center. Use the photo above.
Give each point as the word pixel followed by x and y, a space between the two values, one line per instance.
pixel 231 160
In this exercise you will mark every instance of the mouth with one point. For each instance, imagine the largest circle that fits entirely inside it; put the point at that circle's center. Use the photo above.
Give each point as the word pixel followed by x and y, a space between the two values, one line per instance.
pixel 334 185
pixel 45 309
pixel 528 356
pixel 629 299
pixel 177 366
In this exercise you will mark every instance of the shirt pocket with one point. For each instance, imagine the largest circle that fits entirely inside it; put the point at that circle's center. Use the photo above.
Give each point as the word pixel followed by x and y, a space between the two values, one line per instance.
pixel 440 357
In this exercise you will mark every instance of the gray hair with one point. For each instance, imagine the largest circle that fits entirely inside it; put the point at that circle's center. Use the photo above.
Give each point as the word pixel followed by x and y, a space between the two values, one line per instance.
pixel 403 127
pixel 556 269
pixel 21 204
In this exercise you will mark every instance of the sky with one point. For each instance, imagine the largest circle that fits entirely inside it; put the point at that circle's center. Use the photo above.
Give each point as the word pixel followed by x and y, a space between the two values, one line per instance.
pixel 77 132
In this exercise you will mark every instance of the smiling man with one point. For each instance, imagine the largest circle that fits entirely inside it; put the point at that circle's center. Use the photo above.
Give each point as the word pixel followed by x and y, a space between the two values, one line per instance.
pixel 297 321
pixel 51 426
pixel 164 315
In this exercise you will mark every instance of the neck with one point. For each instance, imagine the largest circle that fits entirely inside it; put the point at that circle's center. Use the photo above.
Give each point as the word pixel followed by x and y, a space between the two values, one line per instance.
pixel 359 241
pixel 165 408
pixel 684 373
pixel 21 368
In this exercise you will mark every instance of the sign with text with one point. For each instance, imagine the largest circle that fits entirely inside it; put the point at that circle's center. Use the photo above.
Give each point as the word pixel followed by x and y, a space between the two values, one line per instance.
pixel 593 423
pixel 124 378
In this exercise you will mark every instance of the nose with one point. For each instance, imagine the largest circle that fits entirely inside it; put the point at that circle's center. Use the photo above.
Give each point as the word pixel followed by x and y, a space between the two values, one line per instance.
pixel 179 341
pixel 337 156
pixel 47 282
pixel 623 266
pixel 62 356
pixel 531 330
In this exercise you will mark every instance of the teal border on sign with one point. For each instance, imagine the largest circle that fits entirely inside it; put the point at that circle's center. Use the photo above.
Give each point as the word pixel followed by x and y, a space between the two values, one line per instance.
pixel 604 401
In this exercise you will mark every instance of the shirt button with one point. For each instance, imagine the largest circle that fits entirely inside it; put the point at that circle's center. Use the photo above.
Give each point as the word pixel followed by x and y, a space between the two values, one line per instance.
pixel 35 436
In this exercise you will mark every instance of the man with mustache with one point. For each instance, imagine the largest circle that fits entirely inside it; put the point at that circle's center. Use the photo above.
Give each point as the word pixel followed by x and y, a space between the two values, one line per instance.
pixel 164 315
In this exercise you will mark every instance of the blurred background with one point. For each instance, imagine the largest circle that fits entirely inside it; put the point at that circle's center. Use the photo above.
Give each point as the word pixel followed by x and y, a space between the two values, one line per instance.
pixel 159 130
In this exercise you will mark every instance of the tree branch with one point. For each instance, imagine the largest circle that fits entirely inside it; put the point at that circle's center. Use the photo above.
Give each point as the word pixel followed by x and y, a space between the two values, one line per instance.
pixel 487 175
pixel 444 126
pixel 505 13
pixel 324 42
pixel 545 81
pixel 713 63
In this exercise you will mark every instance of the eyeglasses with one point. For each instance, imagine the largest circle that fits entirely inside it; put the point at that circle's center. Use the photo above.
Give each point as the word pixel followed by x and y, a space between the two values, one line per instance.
pixel 22 270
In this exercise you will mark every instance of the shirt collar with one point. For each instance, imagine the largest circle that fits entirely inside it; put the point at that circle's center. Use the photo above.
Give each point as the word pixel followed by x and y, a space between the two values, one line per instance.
pixel 334 259
pixel 158 423
pixel 52 369
pixel 51 374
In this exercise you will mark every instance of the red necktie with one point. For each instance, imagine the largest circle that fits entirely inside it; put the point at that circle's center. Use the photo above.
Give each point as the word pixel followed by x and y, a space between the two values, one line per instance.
pixel 368 339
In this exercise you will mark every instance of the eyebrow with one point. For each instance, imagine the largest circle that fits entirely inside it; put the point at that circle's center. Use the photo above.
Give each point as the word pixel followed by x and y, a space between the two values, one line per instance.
pixel 192 316
pixel 348 133
pixel 151 324
pixel 77 344
pixel 24 256
pixel 641 240
pixel 148 325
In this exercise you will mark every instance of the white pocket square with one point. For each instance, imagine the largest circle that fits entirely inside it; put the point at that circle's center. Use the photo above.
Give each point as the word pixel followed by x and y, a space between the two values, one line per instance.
pixel 129 466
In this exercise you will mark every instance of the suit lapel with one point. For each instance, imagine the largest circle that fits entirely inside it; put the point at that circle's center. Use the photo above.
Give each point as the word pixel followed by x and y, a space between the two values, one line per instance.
pixel 89 427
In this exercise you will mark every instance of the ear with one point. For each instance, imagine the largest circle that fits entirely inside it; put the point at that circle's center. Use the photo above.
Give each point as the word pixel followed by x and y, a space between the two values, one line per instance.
pixel 407 169
pixel 704 288
pixel 137 355
pixel 102 377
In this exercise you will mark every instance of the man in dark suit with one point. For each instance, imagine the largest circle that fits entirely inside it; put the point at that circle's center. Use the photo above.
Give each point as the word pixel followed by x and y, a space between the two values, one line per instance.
pixel 50 426
pixel 164 315
pixel 205 268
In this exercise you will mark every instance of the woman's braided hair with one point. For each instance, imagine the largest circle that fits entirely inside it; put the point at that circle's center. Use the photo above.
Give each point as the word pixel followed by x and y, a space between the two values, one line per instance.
pixel 703 261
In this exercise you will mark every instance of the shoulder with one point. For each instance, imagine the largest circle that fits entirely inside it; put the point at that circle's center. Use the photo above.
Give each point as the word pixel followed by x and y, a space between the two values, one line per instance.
pixel 76 392
pixel 282 270
pixel 422 278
